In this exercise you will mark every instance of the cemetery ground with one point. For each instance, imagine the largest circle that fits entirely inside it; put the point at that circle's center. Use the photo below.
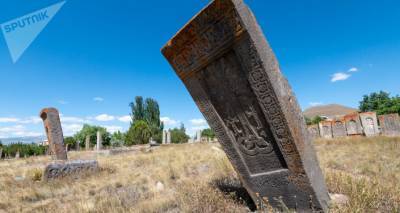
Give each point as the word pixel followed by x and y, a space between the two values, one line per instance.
pixel 197 178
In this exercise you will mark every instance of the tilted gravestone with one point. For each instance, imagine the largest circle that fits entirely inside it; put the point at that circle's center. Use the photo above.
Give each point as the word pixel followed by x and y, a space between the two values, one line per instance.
pixel 325 129
pixel 353 124
pixel 339 128
pixel 369 122
pixel 233 76
pixel 313 130
pixel 390 124
pixel 52 125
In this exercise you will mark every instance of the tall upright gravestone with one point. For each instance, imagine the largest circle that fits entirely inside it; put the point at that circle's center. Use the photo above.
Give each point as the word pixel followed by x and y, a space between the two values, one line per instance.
pixel 233 76
pixel 52 126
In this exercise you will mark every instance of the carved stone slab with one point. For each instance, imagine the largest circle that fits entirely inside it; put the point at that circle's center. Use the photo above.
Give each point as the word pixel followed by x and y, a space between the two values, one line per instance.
pixel 69 169
pixel 52 126
pixel 339 128
pixel 313 130
pixel 369 122
pixel 353 124
pixel 390 124
pixel 233 76
pixel 325 128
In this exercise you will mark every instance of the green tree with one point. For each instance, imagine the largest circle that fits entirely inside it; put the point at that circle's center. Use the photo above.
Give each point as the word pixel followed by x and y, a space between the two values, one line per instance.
pixel 380 102
pixel 138 133
pixel 209 133
pixel 92 132
pixel 137 109
pixel 152 118
pixel 117 139
pixel 178 135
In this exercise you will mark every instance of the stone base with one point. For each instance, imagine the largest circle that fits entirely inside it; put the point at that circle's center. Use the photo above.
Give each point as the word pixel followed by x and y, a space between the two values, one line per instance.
pixel 75 168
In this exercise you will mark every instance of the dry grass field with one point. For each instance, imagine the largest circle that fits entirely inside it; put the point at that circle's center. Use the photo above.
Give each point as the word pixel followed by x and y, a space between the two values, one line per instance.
pixel 197 178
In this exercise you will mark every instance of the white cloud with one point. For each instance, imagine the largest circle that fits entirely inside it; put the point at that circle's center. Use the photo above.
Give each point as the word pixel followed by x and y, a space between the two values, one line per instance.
pixel 31 120
pixel 98 99
pixel 9 120
pixel 70 129
pixel 198 122
pixel 125 119
pixel 353 69
pixel 313 104
pixel 113 129
pixel 17 131
pixel 340 76
pixel 168 121
pixel 105 117
pixel 71 119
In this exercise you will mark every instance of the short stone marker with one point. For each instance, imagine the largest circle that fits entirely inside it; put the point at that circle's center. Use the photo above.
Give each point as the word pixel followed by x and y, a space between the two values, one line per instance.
pixel 339 128
pixel 77 145
pixel 69 169
pixel 353 124
pixel 233 76
pixel 313 130
pixel 198 136
pixel 164 137
pixel 325 128
pixel 52 125
pixel 390 124
pixel 369 122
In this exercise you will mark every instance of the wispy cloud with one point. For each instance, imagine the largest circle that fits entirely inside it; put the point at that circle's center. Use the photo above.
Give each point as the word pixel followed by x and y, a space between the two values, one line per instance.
pixel 63 102
pixel 125 119
pixel 198 122
pixel 98 99
pixel 353 69
pixel 340 76
pixel 17 131
pixel 104 117
pixel 313 104
pixel 169 121
pixel 8 120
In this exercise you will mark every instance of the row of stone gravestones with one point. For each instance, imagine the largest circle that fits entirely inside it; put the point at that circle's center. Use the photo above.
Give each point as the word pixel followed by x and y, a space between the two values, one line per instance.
pixel 357 124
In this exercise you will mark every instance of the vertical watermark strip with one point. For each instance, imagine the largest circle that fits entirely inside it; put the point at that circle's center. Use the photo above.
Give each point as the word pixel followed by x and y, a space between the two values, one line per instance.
pixel 19 33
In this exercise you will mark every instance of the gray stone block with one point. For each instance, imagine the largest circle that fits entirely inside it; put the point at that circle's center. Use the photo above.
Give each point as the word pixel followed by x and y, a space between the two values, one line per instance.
pixel 63 169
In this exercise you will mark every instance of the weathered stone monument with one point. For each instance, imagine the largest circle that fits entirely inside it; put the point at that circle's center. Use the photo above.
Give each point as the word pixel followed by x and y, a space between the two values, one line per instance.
pixel 313 130
pixel 99 141
pixel 77 145
pixel 164 137
pixel 325 129
pixel 87 143
pixel 198 136
pixel 52 126
pixel 233 76
pixel 168 137
pixel 390 124
pixel 339 128
pixel 353 124
pixel 369 122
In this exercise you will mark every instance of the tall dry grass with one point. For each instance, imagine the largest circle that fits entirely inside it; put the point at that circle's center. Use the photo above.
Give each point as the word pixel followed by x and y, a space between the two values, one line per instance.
pixel 196 178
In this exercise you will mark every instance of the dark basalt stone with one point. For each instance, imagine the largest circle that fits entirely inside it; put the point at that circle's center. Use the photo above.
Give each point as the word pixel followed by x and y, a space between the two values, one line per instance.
pixel 233 76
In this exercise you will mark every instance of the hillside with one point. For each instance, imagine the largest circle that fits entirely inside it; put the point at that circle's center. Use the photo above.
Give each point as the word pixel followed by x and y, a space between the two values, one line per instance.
pixel 330 110
pixel 196 178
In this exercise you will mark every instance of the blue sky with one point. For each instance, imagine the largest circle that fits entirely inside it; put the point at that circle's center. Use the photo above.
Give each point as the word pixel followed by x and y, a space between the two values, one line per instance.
pixel 94 57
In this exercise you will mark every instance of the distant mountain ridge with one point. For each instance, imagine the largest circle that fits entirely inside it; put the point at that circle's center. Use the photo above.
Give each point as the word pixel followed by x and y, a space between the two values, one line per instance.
pixel 330 111
pixel 23 140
